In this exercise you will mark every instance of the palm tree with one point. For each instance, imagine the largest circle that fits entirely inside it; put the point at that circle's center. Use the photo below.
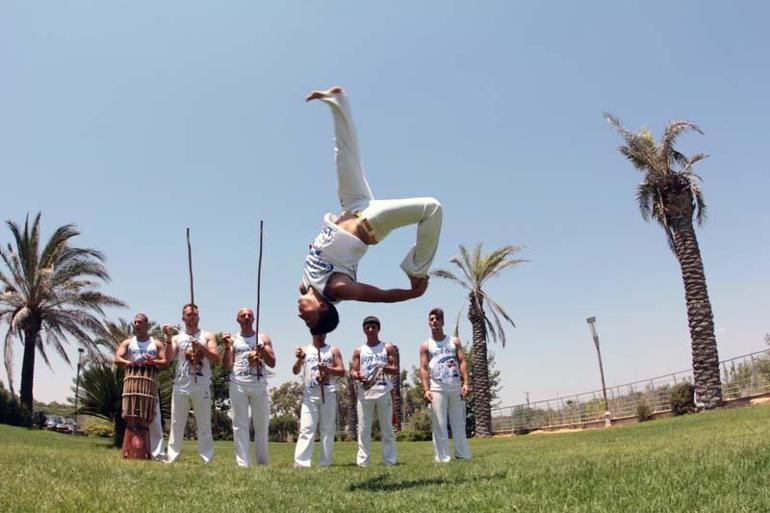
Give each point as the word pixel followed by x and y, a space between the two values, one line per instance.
pixel 484 314
pixel 670 193
pixel 49 295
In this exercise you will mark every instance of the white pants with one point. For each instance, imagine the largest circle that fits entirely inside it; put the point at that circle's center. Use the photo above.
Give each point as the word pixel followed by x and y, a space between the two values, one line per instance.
pixel 321 415
pixel 384 407
pixel 241 399
pixel 200 400
pixel 156 434
pixel 453 405
pixel 384 216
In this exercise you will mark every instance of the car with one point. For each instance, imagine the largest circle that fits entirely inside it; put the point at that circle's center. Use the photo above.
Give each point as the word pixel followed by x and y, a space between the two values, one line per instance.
pixel 51 421
pixel 66 426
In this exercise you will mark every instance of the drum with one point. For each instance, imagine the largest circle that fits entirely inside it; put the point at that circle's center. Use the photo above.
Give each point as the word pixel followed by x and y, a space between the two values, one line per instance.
pixel 140 394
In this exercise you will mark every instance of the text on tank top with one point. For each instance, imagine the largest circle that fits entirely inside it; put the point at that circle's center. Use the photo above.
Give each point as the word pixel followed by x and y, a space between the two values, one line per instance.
pixel 139 350
pixel 310 369
pixel 184 376
pixel 443 365
pixel 243 373
pixel 371 361
pixel 333 251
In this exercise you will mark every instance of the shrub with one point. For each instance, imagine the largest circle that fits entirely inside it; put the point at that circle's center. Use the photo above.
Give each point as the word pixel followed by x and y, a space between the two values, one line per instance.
pixel 12 411
pixel 418 428
pixel 282 427
pixel 98 427
pixel 683 399
pixel 643 410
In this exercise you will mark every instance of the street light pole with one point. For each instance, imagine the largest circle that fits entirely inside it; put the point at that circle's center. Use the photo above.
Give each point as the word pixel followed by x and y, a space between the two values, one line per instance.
pixel 77 390
pixel 592 325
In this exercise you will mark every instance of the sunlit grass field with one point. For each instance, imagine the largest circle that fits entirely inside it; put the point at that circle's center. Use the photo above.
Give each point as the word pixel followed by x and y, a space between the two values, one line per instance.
pixel 714 461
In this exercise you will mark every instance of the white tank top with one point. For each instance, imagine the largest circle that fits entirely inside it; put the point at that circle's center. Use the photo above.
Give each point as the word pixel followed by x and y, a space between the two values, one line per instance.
pixel 333 251
pixel 372 360
pixel 243 373
pixel 310 370
pixel 443 366
pixel 184 379
pixel 137 351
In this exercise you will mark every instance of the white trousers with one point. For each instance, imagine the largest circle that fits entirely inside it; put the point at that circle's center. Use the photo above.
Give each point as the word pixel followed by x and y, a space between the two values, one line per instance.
pixel 156 434
pixel 321 415
pixel 449 404
pixel 243 398
pixel 384 407
pixel 355 195
pixel 181 401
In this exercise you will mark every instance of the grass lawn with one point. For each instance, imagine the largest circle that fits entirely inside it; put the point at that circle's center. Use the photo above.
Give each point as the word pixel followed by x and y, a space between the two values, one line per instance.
pixel 714 461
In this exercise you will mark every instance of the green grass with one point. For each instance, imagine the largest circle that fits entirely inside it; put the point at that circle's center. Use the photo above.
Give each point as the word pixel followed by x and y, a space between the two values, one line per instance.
pixel 715 461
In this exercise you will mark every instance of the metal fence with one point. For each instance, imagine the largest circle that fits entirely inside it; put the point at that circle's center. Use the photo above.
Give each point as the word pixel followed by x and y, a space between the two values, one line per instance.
pixel 743 376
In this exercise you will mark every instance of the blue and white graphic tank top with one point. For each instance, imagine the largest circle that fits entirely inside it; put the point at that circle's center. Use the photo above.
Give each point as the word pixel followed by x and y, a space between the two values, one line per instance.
pixel 310 370
pixel 184 378
pixel 243 373
pixel 443 366
pixel 372 359
pixel 139 350
pixel 333 251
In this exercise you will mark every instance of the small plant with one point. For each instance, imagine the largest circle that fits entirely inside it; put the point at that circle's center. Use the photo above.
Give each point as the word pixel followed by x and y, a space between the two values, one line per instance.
pixel 683 399
pixel 644 410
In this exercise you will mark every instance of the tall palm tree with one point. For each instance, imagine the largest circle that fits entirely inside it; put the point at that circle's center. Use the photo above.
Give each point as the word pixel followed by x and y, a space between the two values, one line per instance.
pixel 670 193
pixel 48 295
pixel 484 314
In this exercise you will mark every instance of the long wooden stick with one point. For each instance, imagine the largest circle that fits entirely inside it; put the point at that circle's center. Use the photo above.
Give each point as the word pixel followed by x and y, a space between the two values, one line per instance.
pixel 190 268
pixel 320 376
pixel 193 362
pixel 259 289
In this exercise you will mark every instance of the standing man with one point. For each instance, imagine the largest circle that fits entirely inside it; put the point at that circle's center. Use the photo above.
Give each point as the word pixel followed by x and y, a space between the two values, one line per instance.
pixel 246 357
pixel 194 351
pixel 329 275
pixel 318 361
pixel 444 376
pixel 142 349
pixel 373 364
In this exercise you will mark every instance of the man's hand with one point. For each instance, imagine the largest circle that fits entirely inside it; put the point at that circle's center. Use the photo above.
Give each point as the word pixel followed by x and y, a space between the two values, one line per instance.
pixel 419 285
pixel 322 369
pixel 357 376
pixel 227 340
pixel 299 353
pixel 254 358
pixel 465 390
pixel 169 330
pixel 149 360
pixel 428 396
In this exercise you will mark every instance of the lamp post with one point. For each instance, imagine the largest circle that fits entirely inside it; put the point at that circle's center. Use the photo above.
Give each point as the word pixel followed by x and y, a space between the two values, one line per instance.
pixel 592 325
pixel 77 390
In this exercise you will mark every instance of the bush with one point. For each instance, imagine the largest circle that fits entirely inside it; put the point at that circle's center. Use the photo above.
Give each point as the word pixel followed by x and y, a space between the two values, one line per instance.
pixel 683 399
pixel 644 410
pixel 12 411
pixel 98 427
pixel 418 428
pixel 281 428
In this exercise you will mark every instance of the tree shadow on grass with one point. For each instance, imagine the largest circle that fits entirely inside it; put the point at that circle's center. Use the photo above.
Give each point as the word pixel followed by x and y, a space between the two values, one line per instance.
pixel 379 483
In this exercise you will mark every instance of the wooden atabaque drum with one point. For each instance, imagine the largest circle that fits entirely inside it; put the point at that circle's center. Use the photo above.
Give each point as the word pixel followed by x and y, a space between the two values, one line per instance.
pixel 140 393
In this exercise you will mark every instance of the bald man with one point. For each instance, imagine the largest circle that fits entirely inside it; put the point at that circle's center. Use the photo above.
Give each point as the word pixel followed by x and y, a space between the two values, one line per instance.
pixel 246 356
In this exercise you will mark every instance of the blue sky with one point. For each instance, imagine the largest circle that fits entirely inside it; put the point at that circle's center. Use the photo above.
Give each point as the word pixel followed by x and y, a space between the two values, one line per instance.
pixel 135 120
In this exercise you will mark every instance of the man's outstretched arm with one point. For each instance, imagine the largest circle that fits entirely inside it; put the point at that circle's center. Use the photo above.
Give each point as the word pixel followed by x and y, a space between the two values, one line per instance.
pixel 363 292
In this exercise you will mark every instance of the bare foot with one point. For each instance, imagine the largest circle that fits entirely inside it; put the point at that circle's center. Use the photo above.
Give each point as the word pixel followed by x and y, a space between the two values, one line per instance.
pixel 315 95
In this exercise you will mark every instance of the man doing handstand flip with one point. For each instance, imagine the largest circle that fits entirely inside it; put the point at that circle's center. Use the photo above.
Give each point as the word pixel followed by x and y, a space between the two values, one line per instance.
pixel 329 275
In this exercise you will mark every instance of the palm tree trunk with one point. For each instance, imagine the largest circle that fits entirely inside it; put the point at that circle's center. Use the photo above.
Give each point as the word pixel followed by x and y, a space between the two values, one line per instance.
pixel 31 333
pixel 705 358
pixel 480 379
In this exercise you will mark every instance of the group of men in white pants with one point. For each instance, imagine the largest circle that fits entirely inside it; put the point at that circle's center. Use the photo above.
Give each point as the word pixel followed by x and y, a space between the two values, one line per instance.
pixel 443 373
pixel 444 377
pixel 194 351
